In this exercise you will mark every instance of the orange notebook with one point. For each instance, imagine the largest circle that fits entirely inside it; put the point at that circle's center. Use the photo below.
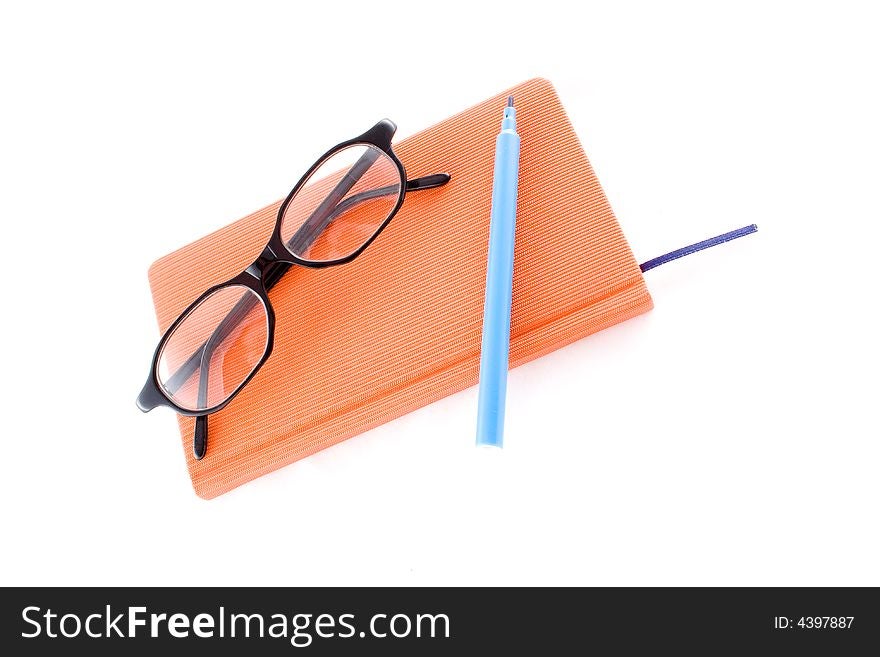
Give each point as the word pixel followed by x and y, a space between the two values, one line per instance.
pixel 400 326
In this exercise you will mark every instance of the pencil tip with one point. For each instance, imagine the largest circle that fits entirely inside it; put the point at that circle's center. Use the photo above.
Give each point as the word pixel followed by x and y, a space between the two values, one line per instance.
pixel 510 101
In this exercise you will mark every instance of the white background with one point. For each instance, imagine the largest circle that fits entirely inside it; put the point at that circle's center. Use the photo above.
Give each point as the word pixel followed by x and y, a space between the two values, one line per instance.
pixel 728 437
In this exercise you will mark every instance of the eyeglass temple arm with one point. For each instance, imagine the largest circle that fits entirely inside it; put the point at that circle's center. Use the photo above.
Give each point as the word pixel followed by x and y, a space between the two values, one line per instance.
pixel 229 323
pixel 427 182
pixel 319 220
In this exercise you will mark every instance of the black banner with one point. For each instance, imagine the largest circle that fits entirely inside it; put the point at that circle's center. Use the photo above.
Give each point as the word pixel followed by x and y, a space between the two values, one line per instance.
pixel 401 621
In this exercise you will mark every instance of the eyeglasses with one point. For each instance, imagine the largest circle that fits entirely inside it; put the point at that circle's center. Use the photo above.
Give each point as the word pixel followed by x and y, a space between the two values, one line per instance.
pixel 217 345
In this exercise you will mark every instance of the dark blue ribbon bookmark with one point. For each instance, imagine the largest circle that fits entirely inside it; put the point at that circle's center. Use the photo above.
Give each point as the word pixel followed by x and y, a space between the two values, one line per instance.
pixel 699 246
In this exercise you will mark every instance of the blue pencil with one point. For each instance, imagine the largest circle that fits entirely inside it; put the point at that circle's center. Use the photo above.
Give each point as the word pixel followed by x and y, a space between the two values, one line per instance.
pixel 499 285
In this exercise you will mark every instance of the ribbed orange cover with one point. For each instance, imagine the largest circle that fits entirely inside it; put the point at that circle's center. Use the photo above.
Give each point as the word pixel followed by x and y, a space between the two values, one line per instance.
pixel 399 327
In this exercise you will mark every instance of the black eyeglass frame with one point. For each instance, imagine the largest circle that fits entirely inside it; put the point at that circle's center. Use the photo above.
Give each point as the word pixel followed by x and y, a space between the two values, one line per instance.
pixel 263 274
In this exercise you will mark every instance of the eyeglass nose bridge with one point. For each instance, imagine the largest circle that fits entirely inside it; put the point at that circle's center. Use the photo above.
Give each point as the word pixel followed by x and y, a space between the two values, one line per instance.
pixel 258 267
